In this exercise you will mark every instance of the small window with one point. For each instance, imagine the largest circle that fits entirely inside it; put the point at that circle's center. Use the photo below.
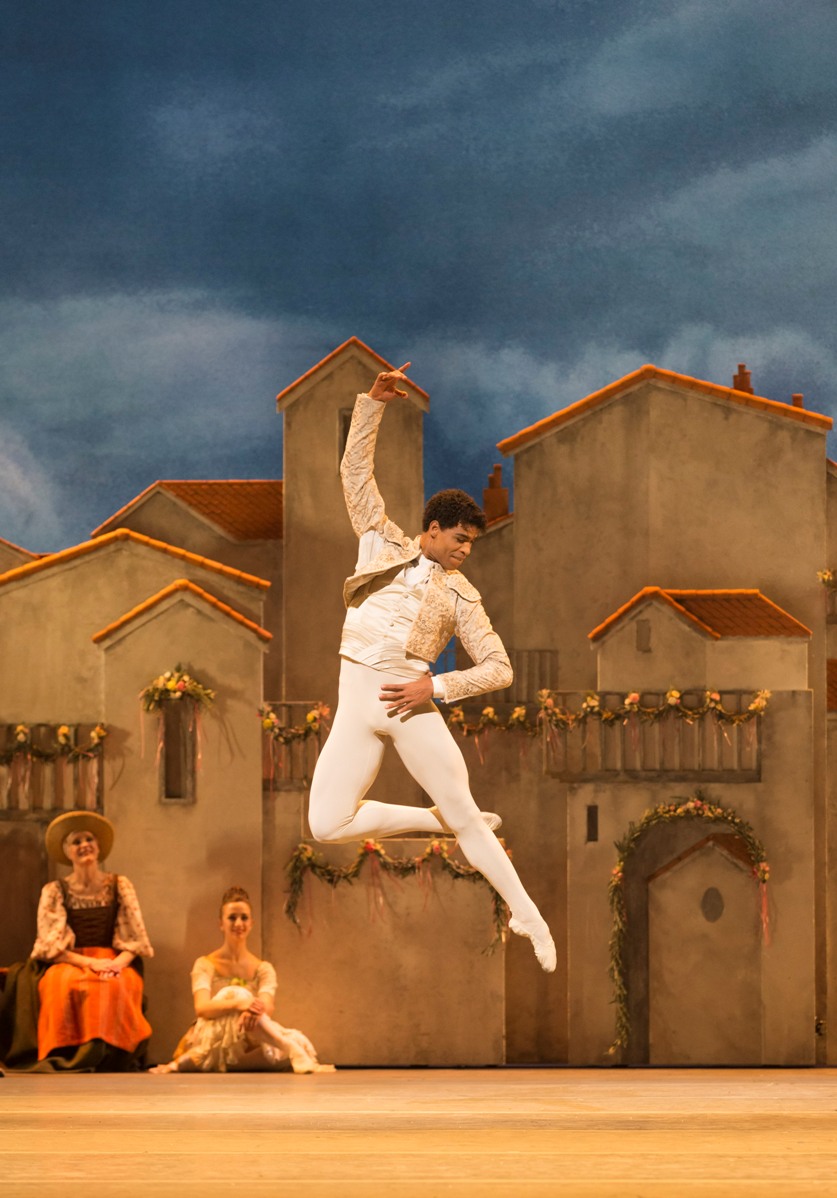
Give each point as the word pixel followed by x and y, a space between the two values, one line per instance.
pixel 592 823
pixel 177 759
pixel 643 636
pixel 345 422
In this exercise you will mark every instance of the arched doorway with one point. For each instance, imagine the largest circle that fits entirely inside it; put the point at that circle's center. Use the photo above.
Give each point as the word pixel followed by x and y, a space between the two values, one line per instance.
pixel 692 947
pixel 704 958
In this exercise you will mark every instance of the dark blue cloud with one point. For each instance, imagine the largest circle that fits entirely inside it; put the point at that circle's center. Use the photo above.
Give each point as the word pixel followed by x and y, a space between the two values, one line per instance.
pixel 537 196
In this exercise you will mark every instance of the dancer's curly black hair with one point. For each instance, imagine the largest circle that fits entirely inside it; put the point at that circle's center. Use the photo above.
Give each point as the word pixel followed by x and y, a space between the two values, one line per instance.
pixel 451 508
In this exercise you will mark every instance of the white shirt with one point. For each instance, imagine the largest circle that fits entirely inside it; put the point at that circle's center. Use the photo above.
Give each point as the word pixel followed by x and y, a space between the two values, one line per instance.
pixel 380 618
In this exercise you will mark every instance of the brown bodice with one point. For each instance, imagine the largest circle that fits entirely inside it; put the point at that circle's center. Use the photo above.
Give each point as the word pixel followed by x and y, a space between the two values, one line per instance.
pixel 93 926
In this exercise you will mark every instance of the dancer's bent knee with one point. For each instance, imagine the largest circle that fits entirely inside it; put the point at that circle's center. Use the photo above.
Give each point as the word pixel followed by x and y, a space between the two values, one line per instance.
pixel 325 829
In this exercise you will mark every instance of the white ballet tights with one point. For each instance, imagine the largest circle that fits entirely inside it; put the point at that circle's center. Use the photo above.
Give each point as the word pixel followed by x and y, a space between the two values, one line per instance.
pixel 349 764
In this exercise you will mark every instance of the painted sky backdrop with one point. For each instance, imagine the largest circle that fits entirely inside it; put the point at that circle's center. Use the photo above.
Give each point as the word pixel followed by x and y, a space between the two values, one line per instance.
pixel 198 201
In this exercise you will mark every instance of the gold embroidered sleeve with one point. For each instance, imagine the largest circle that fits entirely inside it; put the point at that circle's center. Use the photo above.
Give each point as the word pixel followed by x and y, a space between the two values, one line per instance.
pixel 491 670
pixel 363 499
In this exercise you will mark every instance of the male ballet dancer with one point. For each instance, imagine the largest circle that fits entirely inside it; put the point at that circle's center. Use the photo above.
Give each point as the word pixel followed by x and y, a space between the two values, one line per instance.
pixel 405 601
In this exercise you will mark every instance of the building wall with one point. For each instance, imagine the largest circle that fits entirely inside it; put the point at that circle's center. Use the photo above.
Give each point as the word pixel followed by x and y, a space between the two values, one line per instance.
pixel 320 549
pixel 581 532
pixel 676 656
pixel 164 518
pixel 181 856
pixel 781 810
pixel 731 663
pixel 50 671
pixel 490 567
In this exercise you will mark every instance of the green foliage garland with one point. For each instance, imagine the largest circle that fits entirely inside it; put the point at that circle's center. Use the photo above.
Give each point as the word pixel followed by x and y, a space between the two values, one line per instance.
pixel 305 860
pixel 679 808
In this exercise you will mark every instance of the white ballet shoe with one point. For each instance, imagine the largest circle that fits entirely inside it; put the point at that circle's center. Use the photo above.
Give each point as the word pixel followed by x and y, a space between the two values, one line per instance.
pixel 542 942
pixel 491 820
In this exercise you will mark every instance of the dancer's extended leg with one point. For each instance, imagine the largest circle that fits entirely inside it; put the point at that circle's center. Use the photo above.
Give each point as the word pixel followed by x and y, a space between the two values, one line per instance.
pixel 430 753
pixel 349 764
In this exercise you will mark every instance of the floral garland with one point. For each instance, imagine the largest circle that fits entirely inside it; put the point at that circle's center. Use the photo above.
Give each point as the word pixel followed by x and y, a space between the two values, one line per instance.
pixel 679 808
pixel 175 684
pixel 554 716
pixel 64 747
pixel 518 721
pixel 284 734
pixel 305 860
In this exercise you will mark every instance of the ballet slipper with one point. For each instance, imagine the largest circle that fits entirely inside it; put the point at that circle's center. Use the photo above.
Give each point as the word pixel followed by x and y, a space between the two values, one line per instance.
pixel 301 1062
pixel 491 819
pixel 542 942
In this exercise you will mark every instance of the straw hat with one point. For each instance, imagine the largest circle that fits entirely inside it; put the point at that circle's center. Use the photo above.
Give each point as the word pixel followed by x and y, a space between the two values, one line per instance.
pixel 78 821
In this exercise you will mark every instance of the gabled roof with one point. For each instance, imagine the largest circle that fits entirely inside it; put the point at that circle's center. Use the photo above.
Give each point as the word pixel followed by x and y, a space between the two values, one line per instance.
pixel 125 534
pixel 730 844
pixel 181 584
pixel 19 549
pixel 645 374
pixel 716 613
pixel 246 509
pixel 354 347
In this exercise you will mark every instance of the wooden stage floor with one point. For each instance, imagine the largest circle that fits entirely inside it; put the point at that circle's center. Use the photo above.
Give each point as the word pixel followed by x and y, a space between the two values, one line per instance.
pixel 496 1133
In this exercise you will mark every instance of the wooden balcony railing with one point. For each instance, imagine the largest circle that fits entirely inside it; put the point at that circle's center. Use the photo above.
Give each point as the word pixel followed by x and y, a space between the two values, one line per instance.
pixel 37 780
pixel 705 749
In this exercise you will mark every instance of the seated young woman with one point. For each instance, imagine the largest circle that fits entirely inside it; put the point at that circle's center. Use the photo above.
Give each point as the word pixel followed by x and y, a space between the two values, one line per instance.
pixel 234 993
pixel 77 1003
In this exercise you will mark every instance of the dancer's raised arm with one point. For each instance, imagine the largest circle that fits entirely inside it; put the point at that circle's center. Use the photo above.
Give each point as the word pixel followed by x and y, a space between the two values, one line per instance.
pixel 363 499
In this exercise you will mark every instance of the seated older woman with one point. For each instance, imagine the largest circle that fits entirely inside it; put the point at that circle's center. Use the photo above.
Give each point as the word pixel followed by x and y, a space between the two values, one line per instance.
pixel 233 992
pixel 87 1012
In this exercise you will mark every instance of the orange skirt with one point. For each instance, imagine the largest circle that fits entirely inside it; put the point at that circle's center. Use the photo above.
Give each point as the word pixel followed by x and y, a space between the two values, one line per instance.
pixel 77 1006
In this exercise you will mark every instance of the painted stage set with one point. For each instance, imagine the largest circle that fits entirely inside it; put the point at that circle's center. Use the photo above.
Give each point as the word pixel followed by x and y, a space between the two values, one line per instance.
pixel 663 762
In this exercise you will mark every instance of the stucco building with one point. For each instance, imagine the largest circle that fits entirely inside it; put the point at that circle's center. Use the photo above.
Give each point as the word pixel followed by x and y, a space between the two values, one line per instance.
pixel 666 539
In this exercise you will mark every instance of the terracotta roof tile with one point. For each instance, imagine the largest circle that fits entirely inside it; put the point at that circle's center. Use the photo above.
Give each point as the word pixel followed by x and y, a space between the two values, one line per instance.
pixel 719 613
pixel 329 358
pixel 125 534
pixel 647 373
pixel 831 679
pixel 247 509
pixel 181 584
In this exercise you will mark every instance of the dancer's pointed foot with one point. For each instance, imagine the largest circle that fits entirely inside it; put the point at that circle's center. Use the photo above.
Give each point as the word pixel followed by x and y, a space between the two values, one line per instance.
pixel 490 818
pixel 301 1062
pixel 542 941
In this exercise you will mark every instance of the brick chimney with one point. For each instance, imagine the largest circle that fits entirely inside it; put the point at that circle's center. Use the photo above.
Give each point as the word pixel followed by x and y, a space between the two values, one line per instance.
pixel 495 497
pixel 741 381
pixel 797 399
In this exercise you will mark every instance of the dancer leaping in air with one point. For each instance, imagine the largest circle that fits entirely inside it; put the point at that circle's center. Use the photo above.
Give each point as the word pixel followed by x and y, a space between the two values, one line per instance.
pixel 404 602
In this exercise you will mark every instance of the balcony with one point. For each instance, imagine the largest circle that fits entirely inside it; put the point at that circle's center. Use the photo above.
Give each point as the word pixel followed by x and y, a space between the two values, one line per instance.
pixel 43 774
pixel 289 753
pixel 671 747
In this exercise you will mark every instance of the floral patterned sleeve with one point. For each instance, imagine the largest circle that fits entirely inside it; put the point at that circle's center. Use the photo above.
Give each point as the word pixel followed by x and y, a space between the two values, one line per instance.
pixel 266 979
pixel 130 934
pixel 55 936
